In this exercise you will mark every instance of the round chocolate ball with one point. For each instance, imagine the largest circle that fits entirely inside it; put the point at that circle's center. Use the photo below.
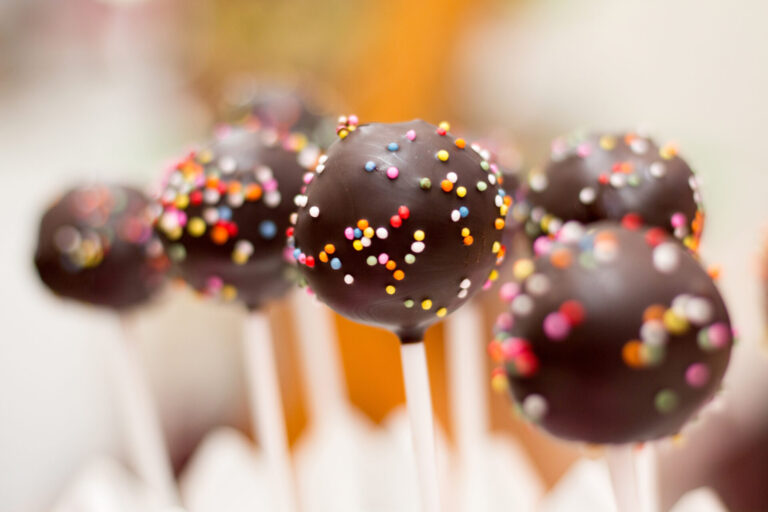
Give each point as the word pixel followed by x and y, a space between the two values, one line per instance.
pixel 400 225
pixel 224 210
pixel 95 244
pixel 615 177
pixel 612 335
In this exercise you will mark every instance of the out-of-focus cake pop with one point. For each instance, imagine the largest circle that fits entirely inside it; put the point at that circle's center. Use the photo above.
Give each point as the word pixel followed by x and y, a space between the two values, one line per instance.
pixel 618 177
pixel 224 211
pixel 613 336
pixel 95 244
pixel 400 225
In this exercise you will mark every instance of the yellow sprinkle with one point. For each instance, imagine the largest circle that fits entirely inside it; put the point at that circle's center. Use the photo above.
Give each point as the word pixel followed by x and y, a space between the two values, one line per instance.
pixel 675 323
pixel 441 312
pixel 522 269
pixel 343 134
pixel 196 226
pixel 182 201
pixel 607 142
pixel 175 233
pixel 464 232
pixel 205 156
pixel 442 155
pixel 228 292
pixel 499 384
pixel 496 247
pixel 240 257
pixel 461 191
pixel 494 275
pixel 418 235
pixel 368 232
pixel 358 245
pixel 390 289
pixel 503 209
pixel 445 125
pixel 426 304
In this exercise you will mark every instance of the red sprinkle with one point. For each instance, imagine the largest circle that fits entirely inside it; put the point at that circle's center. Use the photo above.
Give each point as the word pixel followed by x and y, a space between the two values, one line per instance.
pixel 573 311
pixel 403 212
pixel 632 221
pixel 655 236
pixel 396 221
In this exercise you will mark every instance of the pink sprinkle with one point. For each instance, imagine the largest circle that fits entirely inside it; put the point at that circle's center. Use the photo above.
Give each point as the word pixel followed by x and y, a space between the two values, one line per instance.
pixel 509 291
pixel 513 347
pixel 697 375
pixel 349 233
pixel 556 326
pixel 214 283
pixel 505 321
pixel 383 258
pixel 392 173
pixel 542 245
pixel 487 285
pixel 182 218
pixel 308 178
pixel 410 135
pixel 678 220
pixel 718 335
pixel 270 185
pixel 584 150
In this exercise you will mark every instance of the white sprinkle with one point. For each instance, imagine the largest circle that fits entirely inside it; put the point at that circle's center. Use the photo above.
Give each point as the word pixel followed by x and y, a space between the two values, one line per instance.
pixel 67 238
pixel 587 195
pixel 365 241
pixel 417 247
pixel 235 200
pixel 537 284
pixel 264 173
pixel 653 333
pixel 319 169
pixel 452 177
pixel 455 216
pixel 227 164
pixel 211 215
pixel 382 233
pixel 314 211
pixel 462 294
pixel 308 155
pixel 538 182
pixel 300 200
pixel 323 159
pixel 638 146
pixel 699 311
pixel 244 246
pixel 211 196
pixel 272 198
pixel 349 279
pixel 535 407
pixel 466 283
pixel 618 179
pixel 522 305
pixel 570 232
pixel 658 169
pixel 492 179
pixel 666 257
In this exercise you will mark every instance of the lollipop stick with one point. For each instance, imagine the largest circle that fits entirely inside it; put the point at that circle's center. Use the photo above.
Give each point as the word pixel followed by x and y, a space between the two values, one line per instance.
pixel 469 401
pixel 266 407
pixel 320 358
pixel 648 474
pixel 621 465
pixel 419 398
pixel 147 451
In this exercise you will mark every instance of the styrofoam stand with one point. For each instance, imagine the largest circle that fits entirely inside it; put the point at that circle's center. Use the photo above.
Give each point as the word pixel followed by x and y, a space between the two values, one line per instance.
pixel 226 473
pixel 105 485
pixel 587 486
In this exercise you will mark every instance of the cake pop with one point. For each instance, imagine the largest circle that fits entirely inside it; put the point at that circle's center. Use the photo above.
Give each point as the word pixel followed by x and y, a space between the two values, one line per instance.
pixel 399 226
pixel 224 212
pixel 614 336
pixel 615 176
pixel 95 244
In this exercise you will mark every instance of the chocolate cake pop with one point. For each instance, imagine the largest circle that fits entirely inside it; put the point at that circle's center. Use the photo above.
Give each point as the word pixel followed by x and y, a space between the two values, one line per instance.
pixel 615 176
pixel 613 336
pixel 95 244
pixel 224 211
pixel 400 225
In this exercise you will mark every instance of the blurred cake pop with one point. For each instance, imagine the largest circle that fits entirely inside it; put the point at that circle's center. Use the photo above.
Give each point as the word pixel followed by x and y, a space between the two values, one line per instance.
pixel 224 211
pixel 613 336
pixel 95 244
pixel 400 225
pixel 619 177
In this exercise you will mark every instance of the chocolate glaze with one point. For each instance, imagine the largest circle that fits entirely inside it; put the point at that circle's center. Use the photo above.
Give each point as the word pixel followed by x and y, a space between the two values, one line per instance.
pixel 595 177
pixel 95 244
pixel 579 357
pixel 224 213
pixel 394 278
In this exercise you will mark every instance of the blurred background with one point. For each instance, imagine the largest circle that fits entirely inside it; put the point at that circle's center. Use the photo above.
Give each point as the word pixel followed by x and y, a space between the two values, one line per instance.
pixel 115 89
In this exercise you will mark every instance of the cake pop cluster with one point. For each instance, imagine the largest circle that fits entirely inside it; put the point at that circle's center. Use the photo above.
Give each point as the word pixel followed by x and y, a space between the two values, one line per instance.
pixel 95 244
pixel 224 210
pixel 399 225
pixel 614 176
pixel 612 335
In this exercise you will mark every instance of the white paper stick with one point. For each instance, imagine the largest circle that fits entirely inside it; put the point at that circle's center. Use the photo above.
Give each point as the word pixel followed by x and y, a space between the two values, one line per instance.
pixel 266 407
pixel 320 358
pixel 469 401
pixel 146 448
pixel 647 464
pixel 419 398
pixel 621 465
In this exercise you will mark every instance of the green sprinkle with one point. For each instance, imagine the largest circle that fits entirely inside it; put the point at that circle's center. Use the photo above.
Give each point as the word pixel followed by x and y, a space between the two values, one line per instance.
pixel 425 183
pixel 410 258
pixel 666 401
pixel 482 186
pixel 408 303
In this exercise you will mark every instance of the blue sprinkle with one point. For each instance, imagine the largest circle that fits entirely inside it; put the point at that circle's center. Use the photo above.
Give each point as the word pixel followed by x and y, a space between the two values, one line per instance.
pixel 502 192
pixel 335 263
pixel 464 211
pixel 225 213
pixel 268 229
pixel 296 253
pixel 370 166
pixel 358 232
pixel 393 146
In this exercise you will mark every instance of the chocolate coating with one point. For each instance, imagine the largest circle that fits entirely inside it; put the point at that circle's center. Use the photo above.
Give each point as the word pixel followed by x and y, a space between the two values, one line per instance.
pixel 400 225
pixel 596 177
pixel 95 244
pixel 224 213
pixel 613 336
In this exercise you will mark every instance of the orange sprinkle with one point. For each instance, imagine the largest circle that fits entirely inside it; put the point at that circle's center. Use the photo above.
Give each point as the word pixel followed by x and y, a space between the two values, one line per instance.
pixel 253 192
pixel 461 143
pixel 714 272
pixel 561 258
pixel 399 275
pixel 234 187
pixel 391 265
pixel 654 312
pixel 212 182
pixel 329 248
pixel 468 240
pixel 362 224
pixel 632 353
pixel 499 223
pixel 446 185
pixel 323 257
pixel 219 235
